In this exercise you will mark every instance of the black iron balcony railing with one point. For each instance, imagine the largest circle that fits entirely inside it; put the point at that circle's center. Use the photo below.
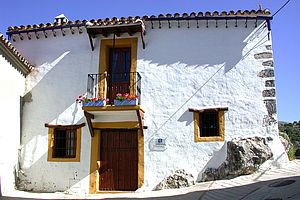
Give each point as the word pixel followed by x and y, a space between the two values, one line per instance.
pixel 110 84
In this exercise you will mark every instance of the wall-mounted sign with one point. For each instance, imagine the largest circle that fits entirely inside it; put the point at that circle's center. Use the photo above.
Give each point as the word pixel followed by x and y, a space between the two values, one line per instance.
pixel 158 144
pixel 160 141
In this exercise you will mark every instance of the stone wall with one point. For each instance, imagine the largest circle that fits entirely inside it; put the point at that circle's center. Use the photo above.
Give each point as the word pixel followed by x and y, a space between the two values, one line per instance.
pixel 244 156
pixel 269 93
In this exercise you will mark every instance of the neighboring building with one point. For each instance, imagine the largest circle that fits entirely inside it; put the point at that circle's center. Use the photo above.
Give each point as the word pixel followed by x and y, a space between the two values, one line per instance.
pixel 202 80
pixel 13 68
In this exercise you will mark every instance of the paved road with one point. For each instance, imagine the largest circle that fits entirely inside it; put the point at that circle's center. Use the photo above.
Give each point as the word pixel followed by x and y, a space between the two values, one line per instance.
pixel 273 184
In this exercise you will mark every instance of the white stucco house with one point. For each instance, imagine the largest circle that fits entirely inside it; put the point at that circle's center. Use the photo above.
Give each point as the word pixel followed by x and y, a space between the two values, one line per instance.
pixel 14 68
pixel 201 79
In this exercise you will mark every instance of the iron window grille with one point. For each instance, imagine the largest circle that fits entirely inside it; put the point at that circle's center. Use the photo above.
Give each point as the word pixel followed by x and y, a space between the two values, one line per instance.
pixel 209 124
pixel 64 143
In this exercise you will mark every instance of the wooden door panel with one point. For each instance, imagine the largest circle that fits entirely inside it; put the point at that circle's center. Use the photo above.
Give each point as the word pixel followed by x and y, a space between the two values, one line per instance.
pixel 119 72
pixel 103 161
pixel 118 160
pixel 114 159
pixel 122 171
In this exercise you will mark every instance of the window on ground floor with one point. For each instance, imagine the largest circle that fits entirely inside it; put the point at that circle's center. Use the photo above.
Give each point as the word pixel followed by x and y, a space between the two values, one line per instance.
pixel 64 142
pixel 209 124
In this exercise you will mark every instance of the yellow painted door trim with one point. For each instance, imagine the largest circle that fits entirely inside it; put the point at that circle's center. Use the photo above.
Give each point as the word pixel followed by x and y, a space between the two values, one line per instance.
pixel 116 125
pixel 105 45
pixel 95 162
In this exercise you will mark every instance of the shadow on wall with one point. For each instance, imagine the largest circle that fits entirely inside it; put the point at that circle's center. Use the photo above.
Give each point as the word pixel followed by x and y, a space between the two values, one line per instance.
pixel 34 150
pixel 38 73
pixel 211 47
pixel 52 101
pixel 216 160
pixel 71 173
pixel 214 48
pixel 186 117
pixel 59 87
pixel 56 90
pixel 281 188
pixel 60 78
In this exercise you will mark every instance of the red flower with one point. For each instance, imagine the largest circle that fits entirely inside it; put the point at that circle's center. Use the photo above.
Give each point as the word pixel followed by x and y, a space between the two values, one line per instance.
pixel 134 97
pixel 80 98
pixel 126 96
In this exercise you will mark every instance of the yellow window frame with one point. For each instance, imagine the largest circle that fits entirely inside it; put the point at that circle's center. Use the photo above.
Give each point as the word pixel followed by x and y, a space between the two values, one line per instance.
pixel 105 45
pixel 50 158
pixel 197 125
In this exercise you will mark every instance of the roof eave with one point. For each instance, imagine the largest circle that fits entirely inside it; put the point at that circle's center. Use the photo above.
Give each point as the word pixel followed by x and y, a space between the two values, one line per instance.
pixel 11 31
pixel 15 62
pixel 262 17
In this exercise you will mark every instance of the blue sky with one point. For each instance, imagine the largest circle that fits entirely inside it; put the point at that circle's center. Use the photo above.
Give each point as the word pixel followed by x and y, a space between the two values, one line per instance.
pixel 285 29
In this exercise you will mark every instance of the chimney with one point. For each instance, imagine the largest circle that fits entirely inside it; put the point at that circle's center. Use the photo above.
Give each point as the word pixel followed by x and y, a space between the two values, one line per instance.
pixel 61 19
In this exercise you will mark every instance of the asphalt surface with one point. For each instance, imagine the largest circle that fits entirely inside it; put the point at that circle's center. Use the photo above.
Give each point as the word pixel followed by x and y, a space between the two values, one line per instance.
pixel 273 184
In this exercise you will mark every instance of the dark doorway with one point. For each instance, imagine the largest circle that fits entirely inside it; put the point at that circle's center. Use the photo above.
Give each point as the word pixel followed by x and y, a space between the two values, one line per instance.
pixel 118 160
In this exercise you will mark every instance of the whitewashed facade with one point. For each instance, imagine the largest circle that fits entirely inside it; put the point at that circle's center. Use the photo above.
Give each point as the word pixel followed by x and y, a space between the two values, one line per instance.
pixel 10 133
pixel 12 81
pixel 195 64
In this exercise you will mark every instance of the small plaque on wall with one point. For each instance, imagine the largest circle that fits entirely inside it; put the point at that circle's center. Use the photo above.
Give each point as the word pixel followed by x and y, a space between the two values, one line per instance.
pixel 158 144
pixel 160 141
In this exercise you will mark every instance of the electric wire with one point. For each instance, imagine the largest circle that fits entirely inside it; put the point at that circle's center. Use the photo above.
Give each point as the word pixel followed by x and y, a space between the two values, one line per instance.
pixel 281 8
pixel 211 77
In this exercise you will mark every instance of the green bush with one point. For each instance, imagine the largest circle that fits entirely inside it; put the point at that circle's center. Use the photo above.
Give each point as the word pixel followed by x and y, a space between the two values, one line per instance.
pixel 285 136
pixel 292 130
pixel 291 153
pixel 297 152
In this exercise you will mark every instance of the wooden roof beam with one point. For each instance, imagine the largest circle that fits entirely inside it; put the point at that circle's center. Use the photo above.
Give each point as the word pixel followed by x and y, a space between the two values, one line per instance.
pixel 89 118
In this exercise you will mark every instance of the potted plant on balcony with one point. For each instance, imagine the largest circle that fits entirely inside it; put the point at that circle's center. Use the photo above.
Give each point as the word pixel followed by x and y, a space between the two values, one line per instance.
pixel 126 100
pixel 97 101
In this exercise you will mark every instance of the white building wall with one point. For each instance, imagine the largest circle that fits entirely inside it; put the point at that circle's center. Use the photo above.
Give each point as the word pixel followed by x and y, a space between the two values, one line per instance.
pixel 195 68
pixel 62 66
pixel 12 85
pixel 180 68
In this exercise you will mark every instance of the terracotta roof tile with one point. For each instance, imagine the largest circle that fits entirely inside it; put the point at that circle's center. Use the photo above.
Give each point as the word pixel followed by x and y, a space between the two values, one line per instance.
pixel 130 19
pixel 27 67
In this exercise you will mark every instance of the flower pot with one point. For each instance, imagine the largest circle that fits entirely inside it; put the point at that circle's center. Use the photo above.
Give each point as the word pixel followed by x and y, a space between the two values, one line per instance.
pixel 132 102
pixel 94 103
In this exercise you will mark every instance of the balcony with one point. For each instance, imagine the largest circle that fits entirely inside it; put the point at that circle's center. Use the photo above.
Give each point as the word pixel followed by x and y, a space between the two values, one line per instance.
pixel 108 85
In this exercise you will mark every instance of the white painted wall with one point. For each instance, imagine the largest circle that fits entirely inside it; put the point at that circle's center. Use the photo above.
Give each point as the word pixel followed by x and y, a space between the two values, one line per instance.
pixel 205 67
pixel 180 68
pixel 12 85
pixel 62 65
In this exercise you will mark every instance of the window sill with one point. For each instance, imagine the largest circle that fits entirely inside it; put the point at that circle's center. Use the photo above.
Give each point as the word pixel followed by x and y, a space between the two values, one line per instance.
pixel 63 159
pixel 209 139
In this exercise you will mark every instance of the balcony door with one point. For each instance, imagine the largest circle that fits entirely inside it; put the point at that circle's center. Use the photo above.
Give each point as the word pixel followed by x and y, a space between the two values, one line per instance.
pixel 118 72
